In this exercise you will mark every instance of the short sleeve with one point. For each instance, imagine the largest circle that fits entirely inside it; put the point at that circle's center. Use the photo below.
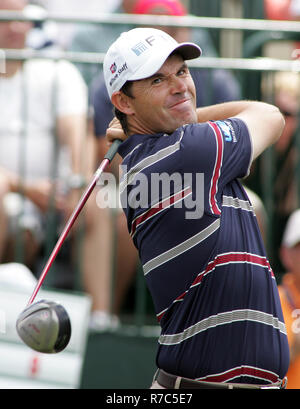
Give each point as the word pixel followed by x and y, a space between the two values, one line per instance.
pixel 221 151
pixel 235 144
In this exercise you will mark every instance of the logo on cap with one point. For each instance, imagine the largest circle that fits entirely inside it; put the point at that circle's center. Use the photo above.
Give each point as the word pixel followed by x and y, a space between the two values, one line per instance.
pixel 117 73
pixel 113 68
pixel 140 47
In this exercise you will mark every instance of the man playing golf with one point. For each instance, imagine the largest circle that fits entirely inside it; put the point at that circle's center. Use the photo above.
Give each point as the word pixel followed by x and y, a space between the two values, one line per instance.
pixel 203 258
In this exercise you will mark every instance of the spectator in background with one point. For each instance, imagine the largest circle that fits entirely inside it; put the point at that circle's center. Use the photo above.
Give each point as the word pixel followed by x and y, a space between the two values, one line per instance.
pixel 212 87
pixel 287 98
pixel 285 155
pixel 97 38
pixel 43 107
pixel 289 291
pixel 278 9
pixel 39 100
pixel 61 34
pixel 282 9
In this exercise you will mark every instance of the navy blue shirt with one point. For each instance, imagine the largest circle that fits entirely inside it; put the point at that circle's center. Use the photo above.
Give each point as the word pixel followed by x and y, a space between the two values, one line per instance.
pixel 204 261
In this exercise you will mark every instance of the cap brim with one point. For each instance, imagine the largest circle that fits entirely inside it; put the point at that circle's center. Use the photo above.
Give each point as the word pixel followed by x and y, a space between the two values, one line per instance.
pixel 188 51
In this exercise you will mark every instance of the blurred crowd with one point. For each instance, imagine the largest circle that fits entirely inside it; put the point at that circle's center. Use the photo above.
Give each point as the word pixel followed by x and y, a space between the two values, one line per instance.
pixel 53 120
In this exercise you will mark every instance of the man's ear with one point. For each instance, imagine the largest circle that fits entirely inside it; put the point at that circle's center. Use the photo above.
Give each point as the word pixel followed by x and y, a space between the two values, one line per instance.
pixel 122 102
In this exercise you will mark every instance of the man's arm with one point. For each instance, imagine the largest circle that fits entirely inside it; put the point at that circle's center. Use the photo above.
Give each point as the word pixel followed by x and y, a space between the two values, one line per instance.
pixel 264 121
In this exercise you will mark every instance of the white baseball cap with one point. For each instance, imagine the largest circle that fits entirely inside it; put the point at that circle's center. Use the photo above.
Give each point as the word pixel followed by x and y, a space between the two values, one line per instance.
pixel 139 53
pixel 291 235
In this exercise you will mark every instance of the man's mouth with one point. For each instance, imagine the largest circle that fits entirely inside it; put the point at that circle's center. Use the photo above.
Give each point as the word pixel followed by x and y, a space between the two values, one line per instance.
pixel 178 103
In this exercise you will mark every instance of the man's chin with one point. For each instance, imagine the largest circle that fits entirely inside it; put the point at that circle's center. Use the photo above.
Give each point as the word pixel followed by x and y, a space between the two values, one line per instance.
pixel 188 120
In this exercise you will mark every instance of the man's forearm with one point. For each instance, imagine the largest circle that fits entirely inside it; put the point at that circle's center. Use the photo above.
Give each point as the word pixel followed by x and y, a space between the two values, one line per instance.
pixel 224 110
pixel 264 121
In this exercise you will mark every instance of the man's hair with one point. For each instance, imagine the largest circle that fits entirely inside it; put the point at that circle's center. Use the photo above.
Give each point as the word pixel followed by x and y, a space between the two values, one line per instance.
pixel 127 90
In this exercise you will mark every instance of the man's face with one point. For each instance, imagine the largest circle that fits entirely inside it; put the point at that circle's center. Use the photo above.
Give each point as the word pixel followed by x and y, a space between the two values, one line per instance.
pixel 165 101
pixel 13 33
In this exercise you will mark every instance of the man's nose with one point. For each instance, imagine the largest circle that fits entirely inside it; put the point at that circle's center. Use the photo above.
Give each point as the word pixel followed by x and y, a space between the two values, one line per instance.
pixel 177 84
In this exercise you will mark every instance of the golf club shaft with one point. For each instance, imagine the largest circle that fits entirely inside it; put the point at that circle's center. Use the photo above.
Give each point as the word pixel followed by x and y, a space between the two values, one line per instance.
pixel 106 161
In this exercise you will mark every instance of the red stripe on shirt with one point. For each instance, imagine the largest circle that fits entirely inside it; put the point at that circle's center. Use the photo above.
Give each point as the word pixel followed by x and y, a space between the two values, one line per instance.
pixel 217 170
pixel 225 259
pixel 241 371
pixel 169 201
pixel 234 258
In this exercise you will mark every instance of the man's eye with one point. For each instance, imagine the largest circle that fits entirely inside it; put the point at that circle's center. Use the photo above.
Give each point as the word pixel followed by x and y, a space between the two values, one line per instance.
pixel 157 80
pixel 182 72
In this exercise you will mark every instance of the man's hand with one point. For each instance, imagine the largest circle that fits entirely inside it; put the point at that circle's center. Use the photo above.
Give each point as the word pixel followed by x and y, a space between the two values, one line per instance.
pixel 115 131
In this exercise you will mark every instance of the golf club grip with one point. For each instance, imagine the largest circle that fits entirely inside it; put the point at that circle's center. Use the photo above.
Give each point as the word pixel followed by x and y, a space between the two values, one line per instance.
pixel 106 161
pixel 113 150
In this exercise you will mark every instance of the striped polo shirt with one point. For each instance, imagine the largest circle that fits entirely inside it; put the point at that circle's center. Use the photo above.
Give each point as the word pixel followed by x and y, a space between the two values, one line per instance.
pixel 213 289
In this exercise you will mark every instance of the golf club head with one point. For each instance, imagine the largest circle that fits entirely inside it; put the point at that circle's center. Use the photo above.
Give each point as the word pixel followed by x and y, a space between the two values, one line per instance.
pixel 45 327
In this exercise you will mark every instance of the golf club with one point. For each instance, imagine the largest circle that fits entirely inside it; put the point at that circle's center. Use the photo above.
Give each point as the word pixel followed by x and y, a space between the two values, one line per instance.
pixel 45 325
